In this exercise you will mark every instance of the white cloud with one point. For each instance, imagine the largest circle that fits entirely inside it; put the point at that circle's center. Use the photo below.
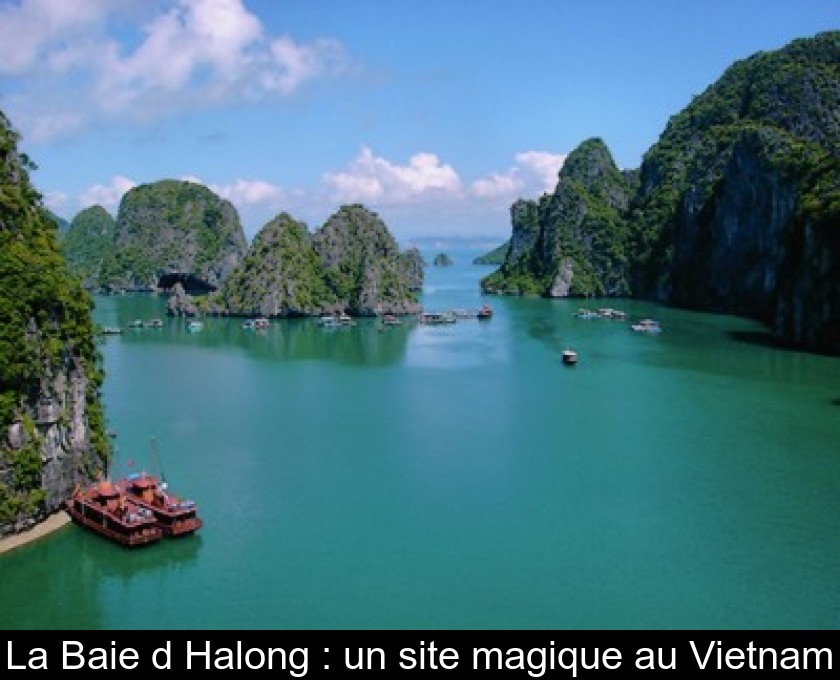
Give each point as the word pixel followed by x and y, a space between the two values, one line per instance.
pixel 534 173
pixel 30 28
pixel 422 190
pixel 106 195
pixel 498 185
pixel 371 178
pixel 294 63
pixel 65 70
pixel 244 192
pixel 52 125
pixel 543 165
pixel 56 201
pixel 211 37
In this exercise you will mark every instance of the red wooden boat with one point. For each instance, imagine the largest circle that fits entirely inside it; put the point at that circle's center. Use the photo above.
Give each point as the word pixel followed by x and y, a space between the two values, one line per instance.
pixel 486 312
pixel 103 508
pixel 174 516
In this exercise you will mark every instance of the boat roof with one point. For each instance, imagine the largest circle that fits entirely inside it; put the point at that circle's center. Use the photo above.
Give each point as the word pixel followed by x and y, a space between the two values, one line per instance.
pixel 143 482
pixel 107 490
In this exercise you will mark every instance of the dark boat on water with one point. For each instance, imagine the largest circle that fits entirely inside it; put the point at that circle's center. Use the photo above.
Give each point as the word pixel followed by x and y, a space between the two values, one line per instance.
pixel 486 312
pixel 569 357
pixel 174 516
pixel 104 509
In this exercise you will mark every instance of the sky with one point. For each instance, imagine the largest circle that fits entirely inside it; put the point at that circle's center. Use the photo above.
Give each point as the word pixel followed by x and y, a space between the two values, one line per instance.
pixel 436 114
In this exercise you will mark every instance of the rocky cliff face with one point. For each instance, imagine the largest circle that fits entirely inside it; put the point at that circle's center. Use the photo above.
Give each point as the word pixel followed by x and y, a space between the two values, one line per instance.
pixel 735 209
pixel 281 275
pixel 362 264
pixel 739 203
pixel 50 413
pixel 414 268
pixel 351 264
pixel 174 228
pixel 87 243
pixel 572 242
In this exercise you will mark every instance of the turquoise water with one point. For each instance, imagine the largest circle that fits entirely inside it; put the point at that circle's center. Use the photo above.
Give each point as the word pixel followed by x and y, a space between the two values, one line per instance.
pixel 460 476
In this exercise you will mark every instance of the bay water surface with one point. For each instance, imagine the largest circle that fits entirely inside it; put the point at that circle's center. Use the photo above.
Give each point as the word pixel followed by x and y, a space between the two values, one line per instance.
pixel 460 476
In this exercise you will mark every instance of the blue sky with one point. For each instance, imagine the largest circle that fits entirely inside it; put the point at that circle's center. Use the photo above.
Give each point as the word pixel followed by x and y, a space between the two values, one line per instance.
pixel 436 114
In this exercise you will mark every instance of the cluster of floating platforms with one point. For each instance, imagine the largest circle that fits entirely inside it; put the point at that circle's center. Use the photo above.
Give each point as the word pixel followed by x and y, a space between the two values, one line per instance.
pixel 258 324
pixel 338 320
pixel 137 324
pixel 452 316
pixel 644 326
pixel 605 313
pixel 152 323
pixel 570 358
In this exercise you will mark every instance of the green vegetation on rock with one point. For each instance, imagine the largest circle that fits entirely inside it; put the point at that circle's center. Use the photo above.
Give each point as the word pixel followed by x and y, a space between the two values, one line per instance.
pixel 739 203
pixel 442 260
pixel 735 209
pixel 351 264
pixel 363 266
pixel 280 276
pixel 414 268
pixel 173 227
pixel 61 224
pixel 87 243
pixel 50 370
pixel 496 256
pixel 572 242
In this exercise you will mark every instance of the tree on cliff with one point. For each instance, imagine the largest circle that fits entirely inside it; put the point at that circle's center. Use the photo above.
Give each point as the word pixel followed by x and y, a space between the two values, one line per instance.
pixel 50 371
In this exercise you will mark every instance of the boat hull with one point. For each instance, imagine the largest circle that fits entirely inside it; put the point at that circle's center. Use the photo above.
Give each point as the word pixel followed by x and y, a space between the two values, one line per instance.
pixel 110 527
pixel 172 525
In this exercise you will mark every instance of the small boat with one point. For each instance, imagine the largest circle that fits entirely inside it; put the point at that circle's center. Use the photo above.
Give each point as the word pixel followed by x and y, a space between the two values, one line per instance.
pixel 463 314
pixel 647 326
pixel 248 324
pixel 345 320
pixel 154 323
pixel 175 517
pixel 193 326
pixel 137 323
pixel 328 321
pixel 261 324
pixel 586 314
pixel 104 509
pixel 569 357
pixel 437 318
pixel 391 320
pixel 485 312
pixel 610 313
pixel 111 330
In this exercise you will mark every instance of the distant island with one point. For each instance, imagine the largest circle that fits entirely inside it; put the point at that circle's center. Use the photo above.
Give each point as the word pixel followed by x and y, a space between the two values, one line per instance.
pixel 496 256
pixel 442 260
pixel 180 236
pixel 735 209
pixel 351 264
pixel 165 232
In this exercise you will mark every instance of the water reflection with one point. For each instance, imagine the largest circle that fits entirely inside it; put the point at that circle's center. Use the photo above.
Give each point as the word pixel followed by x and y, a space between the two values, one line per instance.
pixel 70 592
pixel 368 343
